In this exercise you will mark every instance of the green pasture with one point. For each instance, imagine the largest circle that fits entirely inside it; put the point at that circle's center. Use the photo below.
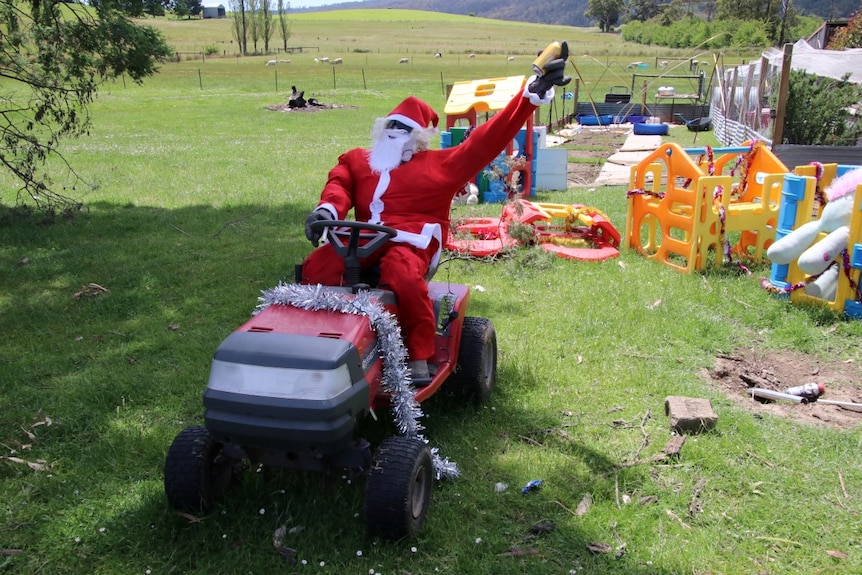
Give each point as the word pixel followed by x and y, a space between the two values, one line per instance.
pixel 195 194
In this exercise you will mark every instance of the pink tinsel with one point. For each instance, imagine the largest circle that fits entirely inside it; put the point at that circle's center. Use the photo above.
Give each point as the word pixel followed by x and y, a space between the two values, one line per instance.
pixel 844 185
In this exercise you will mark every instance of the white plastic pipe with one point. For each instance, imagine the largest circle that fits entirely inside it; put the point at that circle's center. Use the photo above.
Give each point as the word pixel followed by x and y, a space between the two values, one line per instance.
pixel 841 403
pixel 770 394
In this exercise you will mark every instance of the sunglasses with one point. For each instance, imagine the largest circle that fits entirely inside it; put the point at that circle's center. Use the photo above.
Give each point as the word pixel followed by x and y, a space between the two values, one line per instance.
pixel 396 125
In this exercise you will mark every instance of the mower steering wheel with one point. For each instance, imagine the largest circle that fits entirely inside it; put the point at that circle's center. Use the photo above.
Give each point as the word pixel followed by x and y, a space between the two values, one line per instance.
pixel 345 242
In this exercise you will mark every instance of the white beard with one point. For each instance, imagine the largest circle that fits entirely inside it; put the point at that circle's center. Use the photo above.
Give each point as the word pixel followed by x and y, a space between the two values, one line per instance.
pixel 391 149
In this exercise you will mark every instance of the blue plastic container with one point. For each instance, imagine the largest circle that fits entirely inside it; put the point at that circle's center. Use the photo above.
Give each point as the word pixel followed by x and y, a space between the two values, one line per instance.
pixel 651 129
pixel 603 120
pixel 496 192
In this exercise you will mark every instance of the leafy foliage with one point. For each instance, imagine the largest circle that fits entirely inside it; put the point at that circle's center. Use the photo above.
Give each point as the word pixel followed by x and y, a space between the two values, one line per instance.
pixel 850 36
pixel 186 8
pixel 253 20
pixel 606 12
pixel 59 57
pixel 816 112
pixel 744 23
pixel 643 10
pixel 695 32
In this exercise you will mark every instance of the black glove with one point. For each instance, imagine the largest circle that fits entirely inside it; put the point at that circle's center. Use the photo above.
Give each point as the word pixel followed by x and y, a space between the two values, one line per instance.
pixel 554 74
pixel 318 215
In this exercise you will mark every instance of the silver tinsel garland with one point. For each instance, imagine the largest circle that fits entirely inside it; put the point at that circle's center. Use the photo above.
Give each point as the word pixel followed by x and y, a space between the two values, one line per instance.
pixel 396 376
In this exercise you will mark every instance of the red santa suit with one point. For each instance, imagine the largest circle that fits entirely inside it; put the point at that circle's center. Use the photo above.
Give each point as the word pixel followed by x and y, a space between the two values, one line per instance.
pixel 414 198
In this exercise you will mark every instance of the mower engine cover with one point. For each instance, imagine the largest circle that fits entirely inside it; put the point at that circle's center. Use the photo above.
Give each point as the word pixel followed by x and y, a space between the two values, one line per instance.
pixel 286 391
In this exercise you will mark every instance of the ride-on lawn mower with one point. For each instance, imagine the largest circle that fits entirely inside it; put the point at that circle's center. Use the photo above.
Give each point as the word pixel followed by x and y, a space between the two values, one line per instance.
pixel 287 388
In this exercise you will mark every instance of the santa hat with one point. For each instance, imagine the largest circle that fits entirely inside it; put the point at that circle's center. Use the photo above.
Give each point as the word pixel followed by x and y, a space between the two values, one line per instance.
pixel 415 113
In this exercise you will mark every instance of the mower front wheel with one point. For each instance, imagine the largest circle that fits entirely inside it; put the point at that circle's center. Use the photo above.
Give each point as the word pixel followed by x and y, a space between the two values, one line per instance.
pixel 196 471
pixel 476 371
pixel 398 490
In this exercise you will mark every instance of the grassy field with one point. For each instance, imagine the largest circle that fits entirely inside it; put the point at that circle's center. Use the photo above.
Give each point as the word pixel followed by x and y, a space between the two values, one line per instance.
pixel 195 193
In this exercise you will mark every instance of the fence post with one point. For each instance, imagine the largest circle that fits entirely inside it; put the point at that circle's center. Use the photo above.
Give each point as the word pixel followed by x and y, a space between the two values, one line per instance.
pixel 783 89
pixel 764 69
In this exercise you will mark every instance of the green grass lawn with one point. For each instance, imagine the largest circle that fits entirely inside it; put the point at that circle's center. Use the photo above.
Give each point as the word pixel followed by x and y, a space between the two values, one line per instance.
pixel 194 198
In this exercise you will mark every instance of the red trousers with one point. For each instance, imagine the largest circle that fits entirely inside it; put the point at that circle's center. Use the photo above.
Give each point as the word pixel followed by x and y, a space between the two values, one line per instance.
pixel 402 270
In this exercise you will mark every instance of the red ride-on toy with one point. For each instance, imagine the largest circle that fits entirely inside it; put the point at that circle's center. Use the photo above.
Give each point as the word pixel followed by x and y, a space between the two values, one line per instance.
pixel 288 387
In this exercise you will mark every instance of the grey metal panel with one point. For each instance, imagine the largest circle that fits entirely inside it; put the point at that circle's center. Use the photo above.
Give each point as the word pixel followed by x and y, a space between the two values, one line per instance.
pixel 793 155
pixel 664 111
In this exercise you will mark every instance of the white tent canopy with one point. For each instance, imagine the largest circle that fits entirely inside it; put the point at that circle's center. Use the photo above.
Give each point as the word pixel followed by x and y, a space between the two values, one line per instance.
pixel 827 63
pixel 741 92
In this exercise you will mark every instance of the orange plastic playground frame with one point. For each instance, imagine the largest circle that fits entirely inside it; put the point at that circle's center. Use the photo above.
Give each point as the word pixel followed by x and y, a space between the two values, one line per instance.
pixel 681 210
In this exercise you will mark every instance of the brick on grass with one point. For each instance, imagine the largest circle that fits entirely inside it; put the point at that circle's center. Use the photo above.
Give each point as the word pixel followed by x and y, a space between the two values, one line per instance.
pixel 689 414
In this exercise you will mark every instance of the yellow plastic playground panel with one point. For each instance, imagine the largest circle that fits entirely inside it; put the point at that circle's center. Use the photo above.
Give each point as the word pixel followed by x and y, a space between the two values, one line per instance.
pixel 660 219
pixel 749 163
pixel 487 95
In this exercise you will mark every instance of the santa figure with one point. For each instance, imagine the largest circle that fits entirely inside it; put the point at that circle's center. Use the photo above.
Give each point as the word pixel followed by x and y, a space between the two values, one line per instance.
pixel 400 183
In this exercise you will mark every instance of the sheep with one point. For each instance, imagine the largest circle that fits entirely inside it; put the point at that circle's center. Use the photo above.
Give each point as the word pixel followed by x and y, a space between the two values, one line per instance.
pixel 438 55
pixel 472 56
pixel 272 63
pixel 284 61
pixel 404 61
pixel 510 59
pixel 337 61
pixel 663 63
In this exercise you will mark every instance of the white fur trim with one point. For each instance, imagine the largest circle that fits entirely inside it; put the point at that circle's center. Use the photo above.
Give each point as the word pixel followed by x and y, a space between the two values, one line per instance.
pixel 405 120
pixel 329 208
pixel 534 98
pixel 376 206
pixel 422 240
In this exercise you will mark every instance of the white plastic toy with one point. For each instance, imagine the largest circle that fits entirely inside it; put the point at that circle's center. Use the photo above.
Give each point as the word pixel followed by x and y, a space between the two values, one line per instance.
pixel 813 256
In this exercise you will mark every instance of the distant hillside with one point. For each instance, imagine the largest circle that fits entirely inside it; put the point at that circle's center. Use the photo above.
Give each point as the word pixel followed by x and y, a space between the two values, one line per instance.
pixel 538 11
pixel 547 12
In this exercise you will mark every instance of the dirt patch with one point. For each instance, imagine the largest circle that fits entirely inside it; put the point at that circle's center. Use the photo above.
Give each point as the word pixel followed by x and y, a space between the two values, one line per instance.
pixel 735 374
pixel 591 146
pixel 309 108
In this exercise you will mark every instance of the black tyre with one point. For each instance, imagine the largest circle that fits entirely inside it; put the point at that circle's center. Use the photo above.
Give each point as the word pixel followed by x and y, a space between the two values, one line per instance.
pixel 399 488
pixel 476 371
pixel 196 472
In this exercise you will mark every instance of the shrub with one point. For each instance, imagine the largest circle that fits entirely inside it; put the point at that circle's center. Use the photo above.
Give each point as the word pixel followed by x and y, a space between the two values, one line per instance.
pixel 817 111
pixel 850 36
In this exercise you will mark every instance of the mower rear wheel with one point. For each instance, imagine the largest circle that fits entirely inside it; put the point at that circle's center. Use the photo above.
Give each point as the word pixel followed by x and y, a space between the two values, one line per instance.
pixel 398 489
pixel 196 471
pixel 476 371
